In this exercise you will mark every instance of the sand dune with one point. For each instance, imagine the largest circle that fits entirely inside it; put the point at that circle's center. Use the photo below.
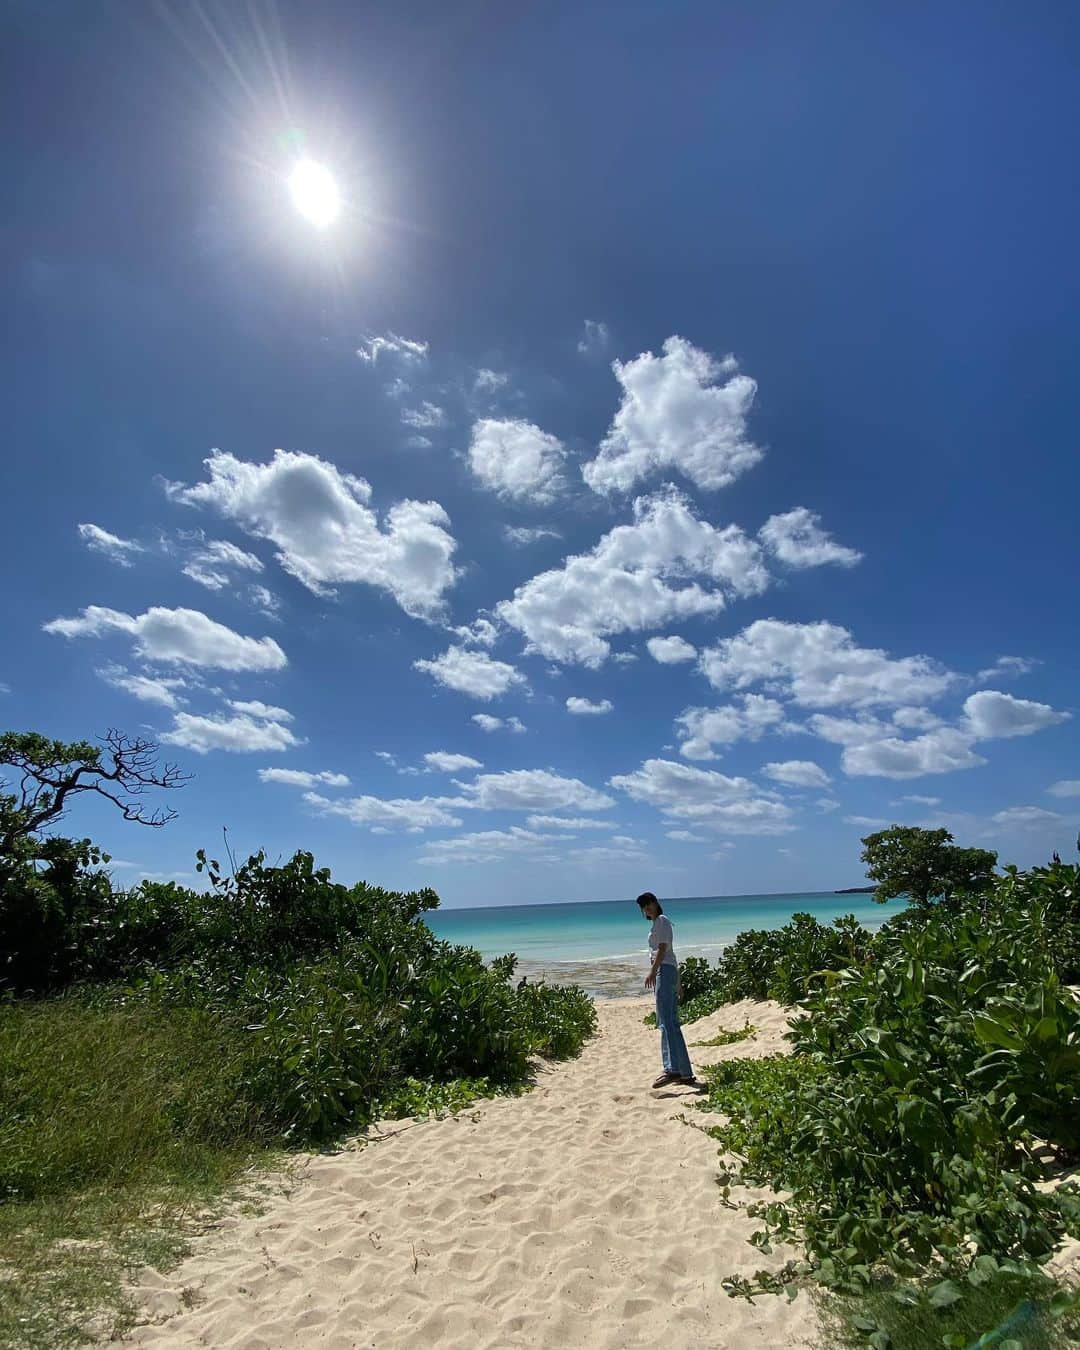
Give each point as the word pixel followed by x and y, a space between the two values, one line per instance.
pixel 585 1214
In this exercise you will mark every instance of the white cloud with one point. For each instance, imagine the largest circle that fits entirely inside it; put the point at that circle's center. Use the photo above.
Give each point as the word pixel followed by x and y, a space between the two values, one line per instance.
pixel 608 855
pixel 481 633
pixel 669 651
pixel 702 728
pixel 397 813
pixel 942 751
pixel 486 846
pixel 916 719
pixel 471 673
pixel 992 715
pixel 390 344
pixel 488 723
pixel 637 577
pixel 521 535
pixel 487 381
pixel 325 531
pixel 827 804
pixel 594 338
pixel 866 822
pixel 624 658
pixel 212 561
pixel 184 635
pixel 919 800
pixel 819 665
pixel 796 538
pixel 797 773
pixel 568 823
pixel 516 460
pixel 686 837
pixel 265 601
pixel 419 443
pixel 532 790
pixel 442 761
pixel 111 546
pixel 674 415
pixel 583 707
pixel 706 798
pixel 301 778
pixel 255 708
pixel 240 732
pixel 1008 667
pixel 148 688
pixel 1065 787
pixel 424 418
pixel 1027 818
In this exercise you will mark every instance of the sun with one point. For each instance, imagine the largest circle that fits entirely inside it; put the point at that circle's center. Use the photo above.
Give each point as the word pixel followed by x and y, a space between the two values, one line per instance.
pixel 314 192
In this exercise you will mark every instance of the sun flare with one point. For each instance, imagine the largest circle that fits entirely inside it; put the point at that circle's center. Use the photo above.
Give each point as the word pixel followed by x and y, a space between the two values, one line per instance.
pixel 314 193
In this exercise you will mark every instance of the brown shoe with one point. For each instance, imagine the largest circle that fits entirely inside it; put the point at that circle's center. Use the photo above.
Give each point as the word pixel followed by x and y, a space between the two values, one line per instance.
pixel 666 1078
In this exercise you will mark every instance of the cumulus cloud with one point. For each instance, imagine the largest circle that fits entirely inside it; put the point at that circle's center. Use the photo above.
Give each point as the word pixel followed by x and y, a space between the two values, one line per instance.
pixel 819 665
pixel 686 837
pixel 110 546
pixel 993 715
pixel 326 532
pixel 301 778
pixel 583 707
pixel 1065 787
pixel 594 339
pixel 488 723
pixel 516 460
pixel 213 560
pixel 705 798
pixel 265 601
pixel 521 535
pixel 1008 667
pixel 675 415
pixel 479 633
pixel 391 345
pixel 942 751
pixel 803 773
pixel 472 673
pixel 1027 818
pixel 442 761
pixel 239 731
pixel 425 418
pixel 638 576
pixel 485 846
pixel 176 635
pixel 624 658
pixel 700 729
pixel 159 689
pixel 669 651
pixel 797 539
pixel 919 800
pixel 532 790
pixel 571 824
pixel 413 815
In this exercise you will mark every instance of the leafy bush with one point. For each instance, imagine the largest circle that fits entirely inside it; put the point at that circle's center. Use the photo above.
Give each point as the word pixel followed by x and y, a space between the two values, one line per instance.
pixel 907 1125
pixel 558 1019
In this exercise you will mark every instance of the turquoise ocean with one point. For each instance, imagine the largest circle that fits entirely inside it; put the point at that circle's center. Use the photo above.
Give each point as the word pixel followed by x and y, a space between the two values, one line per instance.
pixel 602 943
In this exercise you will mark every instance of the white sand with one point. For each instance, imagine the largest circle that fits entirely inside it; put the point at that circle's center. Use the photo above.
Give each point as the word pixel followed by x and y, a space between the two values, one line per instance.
pixel 583 1214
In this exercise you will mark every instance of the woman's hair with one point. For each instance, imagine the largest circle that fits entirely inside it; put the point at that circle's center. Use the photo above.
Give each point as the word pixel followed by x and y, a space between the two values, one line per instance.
pixel 647 898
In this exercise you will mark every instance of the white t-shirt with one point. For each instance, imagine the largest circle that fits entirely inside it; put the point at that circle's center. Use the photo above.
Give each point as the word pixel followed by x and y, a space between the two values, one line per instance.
pixel 661 931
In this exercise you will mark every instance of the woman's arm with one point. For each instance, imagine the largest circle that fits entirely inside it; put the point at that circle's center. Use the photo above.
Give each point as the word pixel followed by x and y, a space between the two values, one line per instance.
pixel 650 979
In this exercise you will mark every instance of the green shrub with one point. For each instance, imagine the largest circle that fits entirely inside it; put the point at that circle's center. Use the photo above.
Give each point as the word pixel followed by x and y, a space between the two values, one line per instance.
pixel 558 1020
pixel 907 1125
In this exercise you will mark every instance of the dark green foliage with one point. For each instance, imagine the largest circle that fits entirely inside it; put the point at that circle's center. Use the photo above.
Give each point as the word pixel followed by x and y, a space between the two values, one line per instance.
pixel 781 963
pixel 743 1033
pixel 907 1126
pixel 558 1019
pixel 925 865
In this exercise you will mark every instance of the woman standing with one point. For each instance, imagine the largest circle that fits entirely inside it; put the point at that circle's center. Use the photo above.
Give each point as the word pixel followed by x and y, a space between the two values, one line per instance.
pixel 663 976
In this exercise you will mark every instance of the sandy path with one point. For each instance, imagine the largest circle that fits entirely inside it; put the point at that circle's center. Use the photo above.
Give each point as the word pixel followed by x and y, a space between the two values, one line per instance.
pixel 585 1214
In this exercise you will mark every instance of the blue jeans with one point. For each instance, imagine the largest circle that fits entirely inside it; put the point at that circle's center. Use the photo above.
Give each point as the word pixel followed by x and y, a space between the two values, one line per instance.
pixel 672 1045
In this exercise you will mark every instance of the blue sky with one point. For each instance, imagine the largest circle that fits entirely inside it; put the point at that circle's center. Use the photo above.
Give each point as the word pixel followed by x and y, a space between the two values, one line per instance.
pixel 660 473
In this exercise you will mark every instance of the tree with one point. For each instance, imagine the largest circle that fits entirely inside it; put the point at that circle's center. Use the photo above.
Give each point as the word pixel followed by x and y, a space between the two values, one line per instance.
pixel 52 892
pixel 924 864
pixel 51 773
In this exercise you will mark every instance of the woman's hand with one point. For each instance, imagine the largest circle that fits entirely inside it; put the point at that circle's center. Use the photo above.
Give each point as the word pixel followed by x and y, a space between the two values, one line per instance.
pixel 650 980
